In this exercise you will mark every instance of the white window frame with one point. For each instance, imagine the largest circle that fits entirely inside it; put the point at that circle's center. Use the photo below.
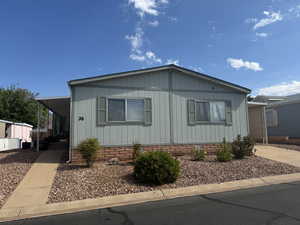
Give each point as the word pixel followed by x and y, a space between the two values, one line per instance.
pixel 126 100
pixel 210 120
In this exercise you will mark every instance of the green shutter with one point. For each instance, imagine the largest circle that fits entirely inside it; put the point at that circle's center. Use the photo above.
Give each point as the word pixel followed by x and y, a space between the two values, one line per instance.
pixel 101 111
pixel 228 113
pixel 191 107
pixel 147 111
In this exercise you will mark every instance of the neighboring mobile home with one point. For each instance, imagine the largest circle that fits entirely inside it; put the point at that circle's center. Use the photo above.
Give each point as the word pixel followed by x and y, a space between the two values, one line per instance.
pixel 12 134
pixel 283 118
pixel 168 107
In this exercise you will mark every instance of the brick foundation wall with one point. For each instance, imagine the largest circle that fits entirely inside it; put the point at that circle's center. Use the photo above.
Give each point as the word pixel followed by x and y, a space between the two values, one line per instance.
pixel 125 153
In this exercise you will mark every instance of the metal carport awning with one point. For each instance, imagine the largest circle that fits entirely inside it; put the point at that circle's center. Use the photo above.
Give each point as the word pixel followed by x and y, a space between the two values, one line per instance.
pixel 58 105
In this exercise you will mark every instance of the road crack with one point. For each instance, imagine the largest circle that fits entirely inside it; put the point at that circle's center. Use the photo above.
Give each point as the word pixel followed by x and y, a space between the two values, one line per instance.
pixel 277 214
pixel 126 218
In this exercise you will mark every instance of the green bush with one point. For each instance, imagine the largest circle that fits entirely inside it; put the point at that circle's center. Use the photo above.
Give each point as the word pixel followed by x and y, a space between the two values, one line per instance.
pixel 238 148
pixel 224 154
pixel 198 154
pixel 156 168
pixel 249 143
pixel 137 150
pixel 88 150
pixel 242 147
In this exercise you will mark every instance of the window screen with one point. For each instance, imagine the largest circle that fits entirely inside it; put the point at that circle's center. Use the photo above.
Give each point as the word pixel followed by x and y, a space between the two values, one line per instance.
pixel 116 109
pixel 202 111
pixel 135 109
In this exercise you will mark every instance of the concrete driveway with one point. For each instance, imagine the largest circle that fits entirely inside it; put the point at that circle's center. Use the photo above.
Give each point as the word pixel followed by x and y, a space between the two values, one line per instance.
pixel 279 154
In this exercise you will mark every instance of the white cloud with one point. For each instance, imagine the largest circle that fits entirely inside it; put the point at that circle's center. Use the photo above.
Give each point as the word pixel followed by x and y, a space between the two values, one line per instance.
pixel 136 40
pixel 197 69
pixel 240 63
pixel 173 61
pixel 251 20
pixel 147 6
pixel 136 57
pixel 154 23
pixel 262 35
pixel 281 89
pixel 173 19
pixel 152 57
pixel 295 10
pixel 271 17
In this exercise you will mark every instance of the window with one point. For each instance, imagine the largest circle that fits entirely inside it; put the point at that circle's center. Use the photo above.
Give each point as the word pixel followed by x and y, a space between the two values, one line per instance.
pixel 202 111
pixel 217 111
pixel 135 109
pixel 209 112
pixel 116 109
pixel 120 110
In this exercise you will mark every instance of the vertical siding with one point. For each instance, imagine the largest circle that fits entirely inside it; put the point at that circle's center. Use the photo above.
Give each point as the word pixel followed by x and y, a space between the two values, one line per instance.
pixel 156 87
pixel 257 122
pixel 85 103
pixel 288 121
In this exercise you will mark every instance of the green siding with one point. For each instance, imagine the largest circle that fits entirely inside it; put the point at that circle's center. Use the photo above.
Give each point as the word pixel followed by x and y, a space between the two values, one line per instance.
pixel 156 87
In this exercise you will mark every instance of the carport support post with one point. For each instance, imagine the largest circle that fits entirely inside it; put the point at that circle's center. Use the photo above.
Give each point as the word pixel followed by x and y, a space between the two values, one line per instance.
pixel 38 129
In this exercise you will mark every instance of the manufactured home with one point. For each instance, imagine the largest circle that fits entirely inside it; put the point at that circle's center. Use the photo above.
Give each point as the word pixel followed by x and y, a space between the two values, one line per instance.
pixel 169 108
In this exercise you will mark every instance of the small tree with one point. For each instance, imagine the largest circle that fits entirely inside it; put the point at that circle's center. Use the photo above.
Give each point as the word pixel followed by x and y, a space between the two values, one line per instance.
pixel 238 148
pixel 137 149
pixel 224 154
pixel 198 154
pixel 249 143
pixel 88 150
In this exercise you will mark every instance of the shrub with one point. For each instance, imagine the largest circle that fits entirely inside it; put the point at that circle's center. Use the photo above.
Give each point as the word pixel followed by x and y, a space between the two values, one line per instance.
pixel 224 154
pixel 88 149
pixel 198 154
pixel 137 150
pixel 242 147
pixel 238 148
pixel 249 143
pixel 156 168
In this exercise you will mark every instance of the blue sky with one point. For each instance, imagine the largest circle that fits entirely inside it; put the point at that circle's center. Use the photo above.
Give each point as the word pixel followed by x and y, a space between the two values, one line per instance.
pixel 255 44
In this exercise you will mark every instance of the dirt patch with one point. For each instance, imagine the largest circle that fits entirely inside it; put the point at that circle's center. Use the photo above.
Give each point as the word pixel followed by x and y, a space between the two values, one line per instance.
pixel 13 167
pixel 77 182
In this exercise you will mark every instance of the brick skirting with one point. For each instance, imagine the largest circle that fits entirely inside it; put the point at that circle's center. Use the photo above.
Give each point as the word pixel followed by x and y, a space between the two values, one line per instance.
pixel 125 153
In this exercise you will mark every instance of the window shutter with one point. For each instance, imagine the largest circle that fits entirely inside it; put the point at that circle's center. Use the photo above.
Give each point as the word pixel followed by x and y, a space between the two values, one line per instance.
pixel 147 111
pixel 101 111
pixel 228 113
pixel 191 112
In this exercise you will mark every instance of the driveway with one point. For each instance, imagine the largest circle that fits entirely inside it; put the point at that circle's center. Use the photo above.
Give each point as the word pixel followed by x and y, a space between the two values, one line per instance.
pixel 276 205
pixel 279 154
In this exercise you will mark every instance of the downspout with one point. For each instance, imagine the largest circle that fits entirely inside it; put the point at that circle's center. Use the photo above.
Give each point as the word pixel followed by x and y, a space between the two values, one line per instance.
pixel 247 116
pixel 70 125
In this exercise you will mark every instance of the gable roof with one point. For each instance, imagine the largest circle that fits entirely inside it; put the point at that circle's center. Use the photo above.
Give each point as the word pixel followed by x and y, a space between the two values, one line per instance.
pixel 156 69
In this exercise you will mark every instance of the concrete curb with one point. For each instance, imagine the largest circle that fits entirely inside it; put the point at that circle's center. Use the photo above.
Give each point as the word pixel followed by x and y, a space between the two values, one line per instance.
pixel 10 214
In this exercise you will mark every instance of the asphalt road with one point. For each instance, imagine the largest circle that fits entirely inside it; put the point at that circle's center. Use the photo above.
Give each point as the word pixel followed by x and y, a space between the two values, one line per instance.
pixel 271 205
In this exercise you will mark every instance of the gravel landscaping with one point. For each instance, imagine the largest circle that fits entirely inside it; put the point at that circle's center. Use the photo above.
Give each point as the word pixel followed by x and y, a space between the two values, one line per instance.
pixel 73 182
pixel 13 167
pixel 290 147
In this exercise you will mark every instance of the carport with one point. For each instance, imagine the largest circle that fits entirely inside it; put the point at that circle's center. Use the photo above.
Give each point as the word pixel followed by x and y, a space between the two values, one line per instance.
pixel 60 107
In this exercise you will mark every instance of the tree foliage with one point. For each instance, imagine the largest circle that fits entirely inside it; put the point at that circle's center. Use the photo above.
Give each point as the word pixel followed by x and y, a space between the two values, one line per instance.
pixel 19 105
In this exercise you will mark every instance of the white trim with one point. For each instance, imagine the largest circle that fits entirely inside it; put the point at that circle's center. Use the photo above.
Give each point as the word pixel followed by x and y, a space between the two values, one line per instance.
pixel 52 98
